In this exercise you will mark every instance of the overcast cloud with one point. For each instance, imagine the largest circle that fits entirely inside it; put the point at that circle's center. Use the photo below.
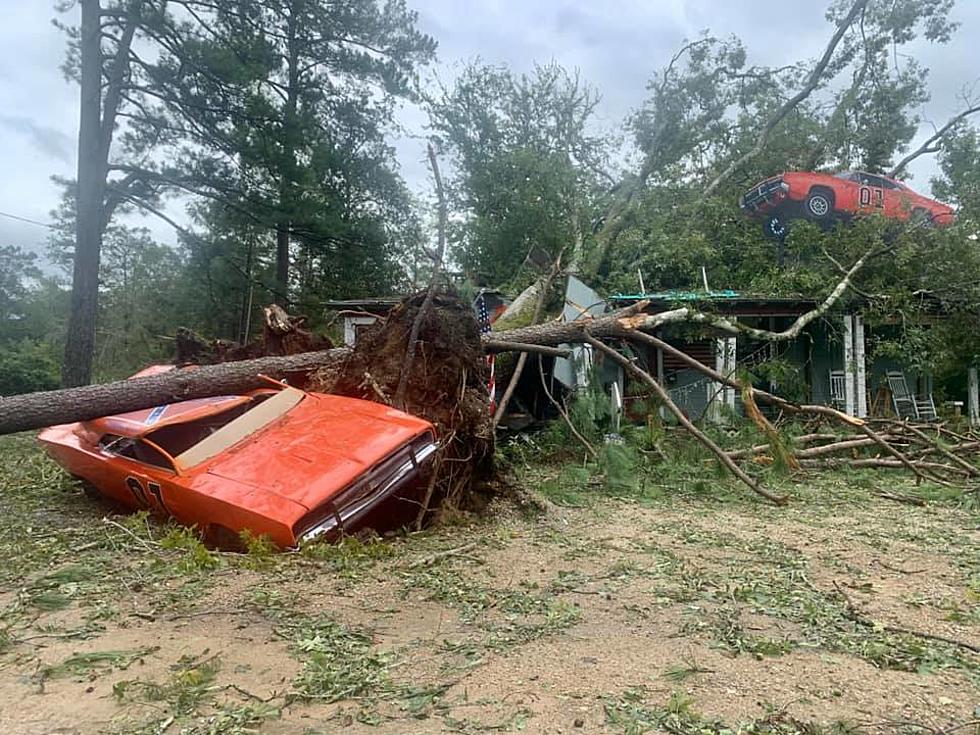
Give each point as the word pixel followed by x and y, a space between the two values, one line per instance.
pixel 615 46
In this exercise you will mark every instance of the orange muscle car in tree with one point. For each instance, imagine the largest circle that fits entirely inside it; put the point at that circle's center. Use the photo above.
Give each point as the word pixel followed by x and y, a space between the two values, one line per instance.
pixel 282 462
pixel 826 198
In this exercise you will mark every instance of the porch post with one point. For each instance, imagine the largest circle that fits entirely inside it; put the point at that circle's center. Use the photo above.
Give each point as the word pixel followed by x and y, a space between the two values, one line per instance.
pixel 860 374
pixel 716 391
pixel 719 394
pixel 730 351
pixel 660 379
pixel 849 392
pixel 973 397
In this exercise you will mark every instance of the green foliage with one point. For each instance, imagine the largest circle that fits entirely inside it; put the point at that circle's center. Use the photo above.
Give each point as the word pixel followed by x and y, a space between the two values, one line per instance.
pixel 28 366
pixel 631 714
pixel 91 664
pixel 351 556
pixel 959 183
pixel 527 165
pixel 194 556
pixel 338 663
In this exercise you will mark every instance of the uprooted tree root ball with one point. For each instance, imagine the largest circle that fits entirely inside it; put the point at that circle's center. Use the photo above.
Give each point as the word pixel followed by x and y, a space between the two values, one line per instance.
pixel 447 386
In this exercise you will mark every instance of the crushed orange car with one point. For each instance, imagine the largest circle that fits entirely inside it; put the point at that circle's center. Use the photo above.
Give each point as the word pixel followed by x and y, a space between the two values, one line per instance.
pixel 280 462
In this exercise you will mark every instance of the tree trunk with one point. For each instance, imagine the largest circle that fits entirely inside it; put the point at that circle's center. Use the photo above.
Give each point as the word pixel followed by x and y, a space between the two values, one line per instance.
pixel 34 410
pixel 287 177
pixel 80 343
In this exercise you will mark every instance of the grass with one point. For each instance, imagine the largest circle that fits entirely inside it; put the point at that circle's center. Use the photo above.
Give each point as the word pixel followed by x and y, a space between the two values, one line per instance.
pixel 674 549
pixel 632 714
pixel 179 699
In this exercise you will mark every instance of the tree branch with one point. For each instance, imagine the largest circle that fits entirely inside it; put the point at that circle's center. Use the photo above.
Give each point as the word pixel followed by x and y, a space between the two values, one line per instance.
pixel 725 460
pixel 813 81
pixel 929 146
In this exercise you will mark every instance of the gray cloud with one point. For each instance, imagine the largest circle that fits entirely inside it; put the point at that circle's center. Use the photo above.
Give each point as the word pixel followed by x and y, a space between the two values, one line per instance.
pixel 46 139
pixel 615 46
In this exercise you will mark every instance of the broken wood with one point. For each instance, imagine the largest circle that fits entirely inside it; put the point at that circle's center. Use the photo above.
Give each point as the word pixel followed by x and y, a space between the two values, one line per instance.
pixel 799 440
pixel 522 359
pixel 503 345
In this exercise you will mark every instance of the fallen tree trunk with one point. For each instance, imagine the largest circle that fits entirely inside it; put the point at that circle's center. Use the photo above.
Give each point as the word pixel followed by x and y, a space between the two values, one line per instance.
pixel 67 405
pixel 797 441
pixel 36 410
pixel 879 462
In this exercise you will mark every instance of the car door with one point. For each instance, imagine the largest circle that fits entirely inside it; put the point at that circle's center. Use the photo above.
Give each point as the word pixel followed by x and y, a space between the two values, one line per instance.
pixel 871 194
pixel 140 473
pixel 897 202
pixel 845 186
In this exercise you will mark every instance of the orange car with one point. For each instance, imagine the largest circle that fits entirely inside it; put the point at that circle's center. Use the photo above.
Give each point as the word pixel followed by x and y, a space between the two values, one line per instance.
pixel 825 198
pixel 282 462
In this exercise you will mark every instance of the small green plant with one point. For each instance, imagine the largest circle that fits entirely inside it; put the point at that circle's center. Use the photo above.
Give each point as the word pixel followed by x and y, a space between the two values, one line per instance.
pixel 194 556
pixel 92 663
pixel 350 555
pixel 338 662
pixel 260 550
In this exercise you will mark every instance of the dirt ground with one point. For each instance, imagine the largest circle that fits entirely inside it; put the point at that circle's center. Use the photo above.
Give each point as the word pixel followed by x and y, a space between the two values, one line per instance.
pixel 683 613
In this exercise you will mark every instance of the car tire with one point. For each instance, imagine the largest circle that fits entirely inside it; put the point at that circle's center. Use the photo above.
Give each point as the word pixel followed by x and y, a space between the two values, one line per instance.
pixel 819 205
pixel 223 538
pixel 921 217
pixel 775 227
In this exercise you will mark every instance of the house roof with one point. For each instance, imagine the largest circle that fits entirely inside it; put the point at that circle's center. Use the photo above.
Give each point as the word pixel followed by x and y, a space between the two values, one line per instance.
pixel 727 301
pixel 378 305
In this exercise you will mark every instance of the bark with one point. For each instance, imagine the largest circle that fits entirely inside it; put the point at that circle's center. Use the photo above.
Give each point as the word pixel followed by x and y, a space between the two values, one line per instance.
pixel 503 345
pixel 97 121
pixel 289 157
pixel 80 342
pixel 824 449
pixel 525 300
pixel 522 360
pixel 34 410
pixel 798 441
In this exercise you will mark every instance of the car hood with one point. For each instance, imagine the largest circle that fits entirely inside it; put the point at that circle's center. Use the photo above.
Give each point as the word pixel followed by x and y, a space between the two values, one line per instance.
pixel 318 449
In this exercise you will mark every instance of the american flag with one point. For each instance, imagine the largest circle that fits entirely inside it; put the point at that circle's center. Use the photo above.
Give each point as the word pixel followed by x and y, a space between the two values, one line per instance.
pixel 483 316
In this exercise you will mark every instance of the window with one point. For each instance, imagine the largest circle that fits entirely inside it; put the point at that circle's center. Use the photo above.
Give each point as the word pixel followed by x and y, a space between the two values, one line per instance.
pixel 872 180
pixel 176 439
pixel 135 449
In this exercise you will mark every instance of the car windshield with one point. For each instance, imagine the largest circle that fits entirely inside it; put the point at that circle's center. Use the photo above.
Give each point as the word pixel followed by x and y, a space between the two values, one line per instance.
pixel 182 445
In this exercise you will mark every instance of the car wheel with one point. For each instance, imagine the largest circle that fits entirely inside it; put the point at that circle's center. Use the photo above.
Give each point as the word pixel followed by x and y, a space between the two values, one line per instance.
pixel 922 218
pixel 775 227
pixel 88 489
pixel 223 538
pixel 818 205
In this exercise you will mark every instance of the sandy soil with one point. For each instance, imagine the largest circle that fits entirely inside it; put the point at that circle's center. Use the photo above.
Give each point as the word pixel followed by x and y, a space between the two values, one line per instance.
pixel 600 619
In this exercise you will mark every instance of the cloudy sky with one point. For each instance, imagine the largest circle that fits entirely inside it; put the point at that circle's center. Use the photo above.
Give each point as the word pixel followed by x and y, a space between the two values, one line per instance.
pixel 616 46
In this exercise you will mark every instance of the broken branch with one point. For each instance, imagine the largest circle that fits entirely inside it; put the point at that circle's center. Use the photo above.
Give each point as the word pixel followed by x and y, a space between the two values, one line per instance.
pixel 725 460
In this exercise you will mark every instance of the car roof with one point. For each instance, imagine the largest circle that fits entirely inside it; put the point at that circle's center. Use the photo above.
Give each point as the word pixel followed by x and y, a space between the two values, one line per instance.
pixel 135 424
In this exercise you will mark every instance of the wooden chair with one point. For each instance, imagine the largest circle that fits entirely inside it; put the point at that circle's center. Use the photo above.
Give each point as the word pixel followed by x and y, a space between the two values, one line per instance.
pixel 903 401
pixel 838 390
